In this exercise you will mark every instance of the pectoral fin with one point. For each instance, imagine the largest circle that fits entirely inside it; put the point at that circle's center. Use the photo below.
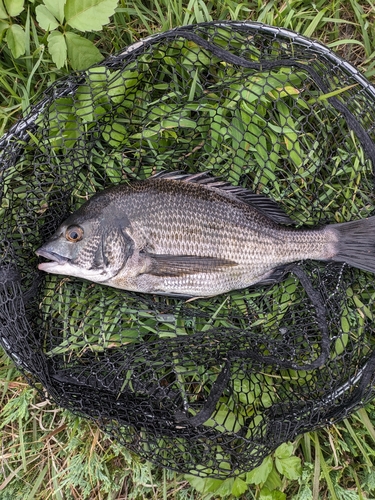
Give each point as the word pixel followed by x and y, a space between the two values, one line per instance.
pixel 177 265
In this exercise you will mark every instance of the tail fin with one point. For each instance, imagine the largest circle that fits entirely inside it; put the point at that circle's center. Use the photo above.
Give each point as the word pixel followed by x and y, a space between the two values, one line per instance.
pixel 356 243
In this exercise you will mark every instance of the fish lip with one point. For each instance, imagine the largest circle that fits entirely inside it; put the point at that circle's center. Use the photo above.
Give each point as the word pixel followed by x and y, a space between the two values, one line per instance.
pixel 51 256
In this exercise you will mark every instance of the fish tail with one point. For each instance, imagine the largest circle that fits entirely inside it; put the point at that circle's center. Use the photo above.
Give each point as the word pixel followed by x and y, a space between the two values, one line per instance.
pixel 356 243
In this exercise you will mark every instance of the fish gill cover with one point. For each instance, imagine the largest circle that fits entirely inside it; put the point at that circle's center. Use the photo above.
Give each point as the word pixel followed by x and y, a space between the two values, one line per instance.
pixel 209 386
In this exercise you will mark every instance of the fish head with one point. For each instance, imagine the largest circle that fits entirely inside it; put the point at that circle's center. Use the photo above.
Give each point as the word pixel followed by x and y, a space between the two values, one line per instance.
pixel 94 248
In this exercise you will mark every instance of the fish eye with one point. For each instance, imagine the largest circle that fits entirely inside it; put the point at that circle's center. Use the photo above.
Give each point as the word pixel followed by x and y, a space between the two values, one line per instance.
pixel 74 234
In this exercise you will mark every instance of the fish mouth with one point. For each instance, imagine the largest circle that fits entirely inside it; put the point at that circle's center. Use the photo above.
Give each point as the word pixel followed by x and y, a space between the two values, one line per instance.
pixel 53 258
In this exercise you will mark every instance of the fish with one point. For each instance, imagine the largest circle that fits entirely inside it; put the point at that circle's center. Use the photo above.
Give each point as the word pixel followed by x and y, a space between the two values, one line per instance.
pixel 194 235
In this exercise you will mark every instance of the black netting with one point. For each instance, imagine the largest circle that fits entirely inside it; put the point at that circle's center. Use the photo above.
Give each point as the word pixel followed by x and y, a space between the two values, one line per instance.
pixel 209 386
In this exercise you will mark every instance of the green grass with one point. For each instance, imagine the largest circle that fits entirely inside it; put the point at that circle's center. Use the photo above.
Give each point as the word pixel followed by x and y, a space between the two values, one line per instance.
pixel 47 453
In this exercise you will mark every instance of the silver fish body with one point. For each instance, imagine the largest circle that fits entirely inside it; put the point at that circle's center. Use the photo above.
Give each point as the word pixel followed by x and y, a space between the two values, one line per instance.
pixel 193 236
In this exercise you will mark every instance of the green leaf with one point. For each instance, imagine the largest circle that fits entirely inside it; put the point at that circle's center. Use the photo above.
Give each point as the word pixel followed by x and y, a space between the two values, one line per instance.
pixel 16 40
pixel 284 450
pixel 14 7
pixel 122 86
pixel 115 134
pixel 239 487
pixel 290 467
pixel 225 487
pixel 45 18
pixel 305 493
pixel 3 26
pixel 266 494
pixel 225 420
pixel 89 15
pixel 57 48
pixel 81 52
pixel 175 122
pixel 260 473
pixel 85 105
pixel 273 480
pixel 370 479
pixel 56 7
pixel 3 12
pixel 204 485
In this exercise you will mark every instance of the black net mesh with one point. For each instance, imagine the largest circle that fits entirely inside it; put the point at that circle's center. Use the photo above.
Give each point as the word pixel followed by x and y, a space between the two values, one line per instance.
pixel 210 386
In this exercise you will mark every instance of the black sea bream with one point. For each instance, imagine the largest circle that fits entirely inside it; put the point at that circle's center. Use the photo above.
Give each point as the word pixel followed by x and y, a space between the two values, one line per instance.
pixel 177 234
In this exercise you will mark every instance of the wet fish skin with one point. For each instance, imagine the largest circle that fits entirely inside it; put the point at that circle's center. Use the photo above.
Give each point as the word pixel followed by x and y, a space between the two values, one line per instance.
pixel 193 236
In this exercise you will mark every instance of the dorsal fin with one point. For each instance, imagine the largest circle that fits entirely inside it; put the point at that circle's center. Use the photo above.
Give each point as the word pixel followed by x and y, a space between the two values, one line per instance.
pixel 262 203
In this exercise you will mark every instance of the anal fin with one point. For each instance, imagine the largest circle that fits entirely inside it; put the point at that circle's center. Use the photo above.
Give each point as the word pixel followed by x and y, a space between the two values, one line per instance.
pixel 276 276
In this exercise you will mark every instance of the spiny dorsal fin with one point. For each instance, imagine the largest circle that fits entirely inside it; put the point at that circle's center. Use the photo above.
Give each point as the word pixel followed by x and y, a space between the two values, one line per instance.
pixel 262 203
